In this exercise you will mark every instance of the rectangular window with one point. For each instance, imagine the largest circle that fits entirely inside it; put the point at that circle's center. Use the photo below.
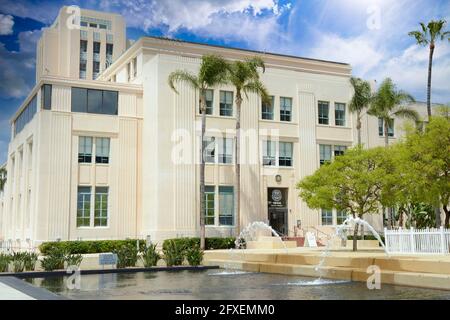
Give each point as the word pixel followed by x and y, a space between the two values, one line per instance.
pixel 381 127
pixel 46 96
pixel 226 203
pixel 109 54
pixel 209 205
pixel 339 114
pixel 269 153
pixel 129 71
pixel 285 157
pixel 226 150
pixel 226 103
pixel 25 116
pixel 285 109
pixel 83 24
pixel 95 69
pixel 209 98
pixel 94 101
pixel 84 207
pixel 84 150
pixel 96 51
pixel 102 150
pixel 323 112
pixel 101 207
pixel 110 102
pixel 134 67
pixel 339 150
pixel 341 216
pixel 325 153
pixel 267 109
pixel 209 147
pixel 83 46
pixel 327 217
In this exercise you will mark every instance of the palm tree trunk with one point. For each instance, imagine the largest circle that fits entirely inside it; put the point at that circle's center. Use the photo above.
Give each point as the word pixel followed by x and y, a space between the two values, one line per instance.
pixel 358 126
pixel 430 64
pixel 386 132
pixel 237 197
pixel 202 176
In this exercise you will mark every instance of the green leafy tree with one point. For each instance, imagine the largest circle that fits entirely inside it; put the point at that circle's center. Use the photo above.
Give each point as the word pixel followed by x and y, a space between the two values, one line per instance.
pixel 360 101
pixel 212 72
pixel 244 76
pixel 357 182
pixel 427 36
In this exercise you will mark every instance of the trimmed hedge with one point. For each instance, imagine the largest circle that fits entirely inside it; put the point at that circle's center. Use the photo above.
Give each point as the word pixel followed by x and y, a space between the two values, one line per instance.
pixel 210 243
pixel 367 237
pixel 95 246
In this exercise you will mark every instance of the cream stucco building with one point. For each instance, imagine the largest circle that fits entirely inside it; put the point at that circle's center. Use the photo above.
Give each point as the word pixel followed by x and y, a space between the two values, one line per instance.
pixel 102 148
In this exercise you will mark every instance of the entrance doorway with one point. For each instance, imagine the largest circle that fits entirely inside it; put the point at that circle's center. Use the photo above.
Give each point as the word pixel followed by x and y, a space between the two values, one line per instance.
pixel 278 210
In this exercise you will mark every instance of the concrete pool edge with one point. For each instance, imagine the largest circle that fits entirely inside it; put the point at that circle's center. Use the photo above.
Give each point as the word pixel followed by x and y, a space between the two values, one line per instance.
pixel 27 291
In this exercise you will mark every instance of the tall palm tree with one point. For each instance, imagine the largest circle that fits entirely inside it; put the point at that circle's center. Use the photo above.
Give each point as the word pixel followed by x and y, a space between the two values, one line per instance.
pixel 389 103
pixel 427 36
pixel 360 101
pixel 212 72
pixel 244 76
pixel 2 178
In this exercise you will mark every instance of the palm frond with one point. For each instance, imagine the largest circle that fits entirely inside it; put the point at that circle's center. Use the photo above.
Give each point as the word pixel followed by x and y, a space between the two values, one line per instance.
pixel 213 71
pixel 362 95
pixel 419 36
pixel 182 76
pixel 257 62
pixel 404 112
pixel 258 88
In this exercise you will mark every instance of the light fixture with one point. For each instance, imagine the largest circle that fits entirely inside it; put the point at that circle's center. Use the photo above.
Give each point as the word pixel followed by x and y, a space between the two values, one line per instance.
pixel 278 178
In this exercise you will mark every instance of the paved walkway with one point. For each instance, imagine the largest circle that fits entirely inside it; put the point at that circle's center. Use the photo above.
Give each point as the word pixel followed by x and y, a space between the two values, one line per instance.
pixel 9 293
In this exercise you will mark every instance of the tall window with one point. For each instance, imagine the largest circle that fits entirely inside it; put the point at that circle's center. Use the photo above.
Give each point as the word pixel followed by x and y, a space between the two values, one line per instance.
pixel 109 54
pixel 327 217
pixel 96 50
pixel 226 150
pixel 323 112
pixel 209 147
pixel 129 71
pixel 26 115
pixel 95 69
pixel 267 109
pixel 381 127
pixel 101 207
pixel 46 96
pixel 84 207
pixel 339 114
pixel 209 98
pixel 285 158
pixel 94 101
pixel 134 67
pixel 226 203
pixel 226 103
pixel 285 109
pixel 341 215
pixel 83 69
pixel 325 153
pixel 209 205
pixel 102 150
pixel 339 150
pixel 85 150
pixel 269 153
pixel 83 46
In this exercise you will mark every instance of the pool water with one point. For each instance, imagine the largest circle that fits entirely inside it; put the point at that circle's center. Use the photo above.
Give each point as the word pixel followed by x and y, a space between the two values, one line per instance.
pixel 220 284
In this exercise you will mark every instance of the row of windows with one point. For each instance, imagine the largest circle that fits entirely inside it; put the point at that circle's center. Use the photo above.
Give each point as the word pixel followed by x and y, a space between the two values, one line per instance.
pixel 284 155
pixel 89 215
pixel 324 113
pixel 327 217
pixel 96 58
pixel 26 115
pixel 226 205
pixel 86 146
pixel 94 101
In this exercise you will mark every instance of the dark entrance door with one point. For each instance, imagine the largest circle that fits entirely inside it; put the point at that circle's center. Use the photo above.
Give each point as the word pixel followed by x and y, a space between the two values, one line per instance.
pixel 277 208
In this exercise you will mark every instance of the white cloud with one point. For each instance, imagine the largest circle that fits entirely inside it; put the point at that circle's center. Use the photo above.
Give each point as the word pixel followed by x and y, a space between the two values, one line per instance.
pixel 6 24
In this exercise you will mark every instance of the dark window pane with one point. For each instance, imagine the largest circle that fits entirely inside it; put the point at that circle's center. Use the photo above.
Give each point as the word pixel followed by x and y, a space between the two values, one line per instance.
pixel 96 47
pixel 47 96
pixel 94 101
pixel 79 100
pixel 110 99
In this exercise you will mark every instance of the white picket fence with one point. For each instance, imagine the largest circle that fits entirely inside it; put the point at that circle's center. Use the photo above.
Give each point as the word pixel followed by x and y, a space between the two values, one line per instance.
pixel 418 241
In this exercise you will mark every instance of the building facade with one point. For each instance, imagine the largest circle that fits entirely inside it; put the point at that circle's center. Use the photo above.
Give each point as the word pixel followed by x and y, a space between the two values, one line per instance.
pixel 113 152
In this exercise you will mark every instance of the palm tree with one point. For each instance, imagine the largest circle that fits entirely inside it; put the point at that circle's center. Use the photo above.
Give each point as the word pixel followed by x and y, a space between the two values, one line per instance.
pixel 244 76
pixel 389 103
pixel 212 72
pixel 2 178
pixel 360 101
pixel 428 36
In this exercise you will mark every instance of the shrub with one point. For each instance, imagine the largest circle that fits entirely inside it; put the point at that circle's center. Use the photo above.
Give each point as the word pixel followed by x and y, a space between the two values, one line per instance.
pixel 173 253
pixel 30 259
pixel 366 237
pixel 194 255
pixel 150 256
pixel 84 247
pixel 127 256
pixel 54 260
pixel 18 261
pixel 4 262
pixel 210 243
pixel 74 259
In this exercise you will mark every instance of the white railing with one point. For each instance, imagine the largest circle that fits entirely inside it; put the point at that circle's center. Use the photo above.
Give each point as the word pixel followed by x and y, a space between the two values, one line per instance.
pixel 418 241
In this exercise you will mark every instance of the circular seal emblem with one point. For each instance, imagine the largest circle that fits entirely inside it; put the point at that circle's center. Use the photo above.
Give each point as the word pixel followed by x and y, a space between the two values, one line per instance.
pixel 276 195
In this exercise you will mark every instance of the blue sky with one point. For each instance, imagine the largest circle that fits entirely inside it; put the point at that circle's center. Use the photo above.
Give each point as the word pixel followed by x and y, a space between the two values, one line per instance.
pixel 369 34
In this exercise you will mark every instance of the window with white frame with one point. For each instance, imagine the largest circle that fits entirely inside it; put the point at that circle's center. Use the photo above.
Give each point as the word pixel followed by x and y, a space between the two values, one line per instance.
pixel 339 150
pixel 325 153
pixel 327 217
pixel 341 215
pixel 339 114
pixel 102 150
pixel 225 150
pixel 209 147
pixel 209 99
pixel 84 149
pixel 285 154
pixel 285 109
pixel 84 207
pixel 226 103
pixel 226 205
pixel 101 207
pixel 269 153
pixel 381 127
pixel 209 205
pixel 323 112
pixel 267 109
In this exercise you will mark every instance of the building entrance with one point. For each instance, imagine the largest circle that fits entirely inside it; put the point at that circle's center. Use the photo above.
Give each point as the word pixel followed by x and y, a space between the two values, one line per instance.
pixel 278 209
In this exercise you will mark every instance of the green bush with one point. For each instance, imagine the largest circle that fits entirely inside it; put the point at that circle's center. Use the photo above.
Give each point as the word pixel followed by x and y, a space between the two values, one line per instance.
pixel 150 256
pixel 210 243
pixel 18 261
pixel 127 256
pixel 173 253
pixel 84 247
pixel 4 262
pixel 29 260
pixel 194 255
pixel 73 259
pixel 54 260
pixel 366 237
